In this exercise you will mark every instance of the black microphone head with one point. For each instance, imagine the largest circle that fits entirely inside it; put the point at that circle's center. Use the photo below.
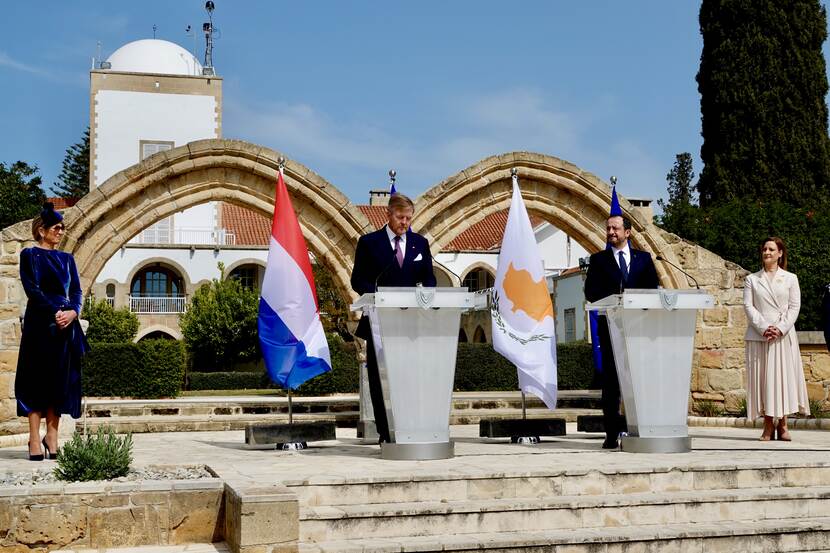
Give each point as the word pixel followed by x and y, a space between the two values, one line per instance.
pixel 659 258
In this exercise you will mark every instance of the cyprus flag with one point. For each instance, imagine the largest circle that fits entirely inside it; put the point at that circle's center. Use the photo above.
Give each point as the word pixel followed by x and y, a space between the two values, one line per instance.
pixel 522 313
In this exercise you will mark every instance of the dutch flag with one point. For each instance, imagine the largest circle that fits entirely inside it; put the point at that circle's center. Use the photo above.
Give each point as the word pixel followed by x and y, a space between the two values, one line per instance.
pixel 290 332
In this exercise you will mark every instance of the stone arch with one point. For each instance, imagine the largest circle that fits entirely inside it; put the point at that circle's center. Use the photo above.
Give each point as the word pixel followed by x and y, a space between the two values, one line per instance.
pixel 175 333
pixel 573 200
pixel 245 261
pixel 477 265
pixel 443 277
pixel 233 171
pixel 479 336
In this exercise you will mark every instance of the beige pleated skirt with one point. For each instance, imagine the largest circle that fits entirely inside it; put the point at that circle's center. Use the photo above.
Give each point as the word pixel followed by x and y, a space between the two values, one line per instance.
pixel 775 384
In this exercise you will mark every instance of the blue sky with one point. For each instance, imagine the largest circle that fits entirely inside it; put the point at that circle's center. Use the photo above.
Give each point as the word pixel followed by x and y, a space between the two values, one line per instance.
pixel 352 89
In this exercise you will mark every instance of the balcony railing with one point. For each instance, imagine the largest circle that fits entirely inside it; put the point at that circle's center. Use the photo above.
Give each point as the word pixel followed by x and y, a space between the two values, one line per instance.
pixel 185 236
pixel 158 304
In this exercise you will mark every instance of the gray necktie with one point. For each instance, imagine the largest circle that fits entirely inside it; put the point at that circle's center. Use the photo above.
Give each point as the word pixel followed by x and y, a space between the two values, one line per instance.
pixel 398 251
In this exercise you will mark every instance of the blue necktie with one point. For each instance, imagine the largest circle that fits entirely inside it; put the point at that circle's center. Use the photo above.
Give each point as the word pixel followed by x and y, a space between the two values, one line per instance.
pixel 623 267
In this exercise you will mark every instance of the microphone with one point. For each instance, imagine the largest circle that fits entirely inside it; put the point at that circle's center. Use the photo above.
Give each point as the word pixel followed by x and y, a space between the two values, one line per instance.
pixel 661 258
pixel 380 274
pixel 453 273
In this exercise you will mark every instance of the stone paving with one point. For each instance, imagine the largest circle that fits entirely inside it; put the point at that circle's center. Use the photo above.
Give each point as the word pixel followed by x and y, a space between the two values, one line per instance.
pixel 346 457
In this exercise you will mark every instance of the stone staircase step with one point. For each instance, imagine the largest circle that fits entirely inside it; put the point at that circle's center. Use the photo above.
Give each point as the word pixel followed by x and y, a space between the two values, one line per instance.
pixel 184 548
pixel 786 536
pixel 392 520
pixel 163 422
pixel 515 484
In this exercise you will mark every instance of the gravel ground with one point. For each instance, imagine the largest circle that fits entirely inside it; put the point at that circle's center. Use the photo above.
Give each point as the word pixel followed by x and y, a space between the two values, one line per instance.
pixel 36 477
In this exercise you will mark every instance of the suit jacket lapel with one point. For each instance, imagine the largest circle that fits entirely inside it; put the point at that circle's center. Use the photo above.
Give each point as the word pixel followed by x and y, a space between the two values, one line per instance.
pixel 766 286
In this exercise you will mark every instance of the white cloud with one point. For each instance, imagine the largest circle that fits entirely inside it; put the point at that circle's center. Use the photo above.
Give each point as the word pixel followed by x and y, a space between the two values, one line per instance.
pixel 7 61
pixel 474 127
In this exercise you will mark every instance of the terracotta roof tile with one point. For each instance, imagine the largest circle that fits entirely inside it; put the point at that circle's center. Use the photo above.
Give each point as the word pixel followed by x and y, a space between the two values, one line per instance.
pixel 250 228
pixel 485 235
pixel 375 213
pixel 62 203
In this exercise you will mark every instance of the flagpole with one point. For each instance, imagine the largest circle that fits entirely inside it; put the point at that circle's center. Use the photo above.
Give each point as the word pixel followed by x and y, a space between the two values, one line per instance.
pixel 524 407
pixel 290 408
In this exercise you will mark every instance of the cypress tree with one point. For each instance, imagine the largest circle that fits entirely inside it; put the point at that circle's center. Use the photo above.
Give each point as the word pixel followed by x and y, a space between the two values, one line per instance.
pixel 762 83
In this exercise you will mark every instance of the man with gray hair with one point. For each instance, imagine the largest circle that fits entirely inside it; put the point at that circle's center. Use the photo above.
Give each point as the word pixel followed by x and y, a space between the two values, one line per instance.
pixel 391 256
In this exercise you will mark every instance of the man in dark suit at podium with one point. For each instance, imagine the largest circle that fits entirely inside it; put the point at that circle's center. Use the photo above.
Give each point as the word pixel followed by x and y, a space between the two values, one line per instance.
pixel 391 256
pixel 611 271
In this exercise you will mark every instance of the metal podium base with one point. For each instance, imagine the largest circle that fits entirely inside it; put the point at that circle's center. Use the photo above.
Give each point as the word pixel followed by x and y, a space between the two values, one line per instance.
pixel 417 452
pixel 637 444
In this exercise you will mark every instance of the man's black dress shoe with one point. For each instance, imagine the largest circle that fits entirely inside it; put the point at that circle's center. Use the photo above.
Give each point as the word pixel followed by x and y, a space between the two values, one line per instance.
pixel 610 443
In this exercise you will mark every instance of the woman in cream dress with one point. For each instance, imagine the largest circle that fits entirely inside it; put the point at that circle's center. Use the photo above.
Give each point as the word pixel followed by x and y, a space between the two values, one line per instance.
pixel 775 376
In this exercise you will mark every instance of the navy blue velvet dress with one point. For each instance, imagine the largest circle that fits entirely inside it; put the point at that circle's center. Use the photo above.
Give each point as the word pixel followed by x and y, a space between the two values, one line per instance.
pixel 49 364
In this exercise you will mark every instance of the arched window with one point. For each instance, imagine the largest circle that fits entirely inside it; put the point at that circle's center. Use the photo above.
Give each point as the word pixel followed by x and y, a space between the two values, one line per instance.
pixel 462 336
pixel 110 290
pixel 478 279
pixel 248 276
pixel 155 282
pixel 479 337
pixel 157 335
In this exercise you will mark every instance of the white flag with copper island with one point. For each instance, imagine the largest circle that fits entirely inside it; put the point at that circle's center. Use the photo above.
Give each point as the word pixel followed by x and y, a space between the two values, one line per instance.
pixel 521 310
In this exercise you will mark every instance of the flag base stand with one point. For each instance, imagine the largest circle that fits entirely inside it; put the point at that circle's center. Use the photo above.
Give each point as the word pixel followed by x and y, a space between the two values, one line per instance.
pixel 291 436
pixel 595 423
pixel 521 431
pixel 292 445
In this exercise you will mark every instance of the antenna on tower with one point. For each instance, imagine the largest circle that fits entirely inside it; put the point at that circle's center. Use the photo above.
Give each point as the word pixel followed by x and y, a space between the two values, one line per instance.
pixel 207 28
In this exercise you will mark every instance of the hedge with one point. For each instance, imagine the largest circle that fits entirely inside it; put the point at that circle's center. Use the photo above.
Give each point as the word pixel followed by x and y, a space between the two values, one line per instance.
pixel 149 369
pixel 478 368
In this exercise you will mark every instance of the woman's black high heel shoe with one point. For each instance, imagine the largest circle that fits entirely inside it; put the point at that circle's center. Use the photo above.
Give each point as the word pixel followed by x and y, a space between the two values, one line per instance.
pixel 38 457
pixel 48 454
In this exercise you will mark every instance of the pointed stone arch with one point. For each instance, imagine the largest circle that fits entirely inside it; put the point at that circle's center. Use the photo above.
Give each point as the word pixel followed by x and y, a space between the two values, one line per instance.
pixel 555 190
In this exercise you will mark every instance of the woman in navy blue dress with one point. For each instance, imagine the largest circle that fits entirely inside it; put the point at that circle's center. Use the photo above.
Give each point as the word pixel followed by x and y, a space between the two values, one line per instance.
pixel 48 379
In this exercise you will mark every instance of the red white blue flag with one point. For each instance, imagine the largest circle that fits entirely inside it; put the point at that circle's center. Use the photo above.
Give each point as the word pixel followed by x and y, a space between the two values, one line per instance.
pixel 290 332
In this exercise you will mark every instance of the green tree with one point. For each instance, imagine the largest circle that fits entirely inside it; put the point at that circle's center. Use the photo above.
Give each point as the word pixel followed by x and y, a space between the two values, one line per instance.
pixel 21 197
pixel 334 311
pixel 762 84
pixel 107 324
pixel 220 324
pixel 681 212
pixel 73 182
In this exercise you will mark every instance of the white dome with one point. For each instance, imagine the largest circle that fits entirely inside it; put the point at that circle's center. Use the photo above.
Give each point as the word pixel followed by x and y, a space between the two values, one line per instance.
pixel 154 56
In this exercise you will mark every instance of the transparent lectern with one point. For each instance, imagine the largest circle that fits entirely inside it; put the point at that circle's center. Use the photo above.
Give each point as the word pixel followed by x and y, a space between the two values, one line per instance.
pixel 652 334
pixel 415 331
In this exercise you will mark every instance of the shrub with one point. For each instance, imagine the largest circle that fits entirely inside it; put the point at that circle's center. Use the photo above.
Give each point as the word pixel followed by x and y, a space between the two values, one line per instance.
pixel 107 324
pixel 100 456
pixel 227 381
pixel 480 368
pixel 149 369
pixel 220 325
pixel 706 408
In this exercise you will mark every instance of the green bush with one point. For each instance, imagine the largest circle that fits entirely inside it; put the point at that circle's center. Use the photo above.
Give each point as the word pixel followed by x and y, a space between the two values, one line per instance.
pixel 343 378
pixel 107 324
pixel 227 381
pixel 149 369
pixel 220 324
pixel 480 368
pixel 100 456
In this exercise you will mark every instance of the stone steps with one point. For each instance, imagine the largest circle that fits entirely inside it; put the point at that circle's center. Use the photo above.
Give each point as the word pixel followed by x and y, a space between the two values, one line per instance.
pixel 184 548
pixel 790 536
pixel 771 507
pixel 471 485
pixel 409 519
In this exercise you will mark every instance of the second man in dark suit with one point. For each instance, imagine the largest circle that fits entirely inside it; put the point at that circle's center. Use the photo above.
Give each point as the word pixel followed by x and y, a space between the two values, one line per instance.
pixel 611 271
pixel 391 256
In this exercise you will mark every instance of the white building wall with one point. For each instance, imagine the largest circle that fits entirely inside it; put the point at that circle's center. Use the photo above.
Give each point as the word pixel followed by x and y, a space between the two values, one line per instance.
pixel 199 263
pixel 123 118
pixel 569 294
